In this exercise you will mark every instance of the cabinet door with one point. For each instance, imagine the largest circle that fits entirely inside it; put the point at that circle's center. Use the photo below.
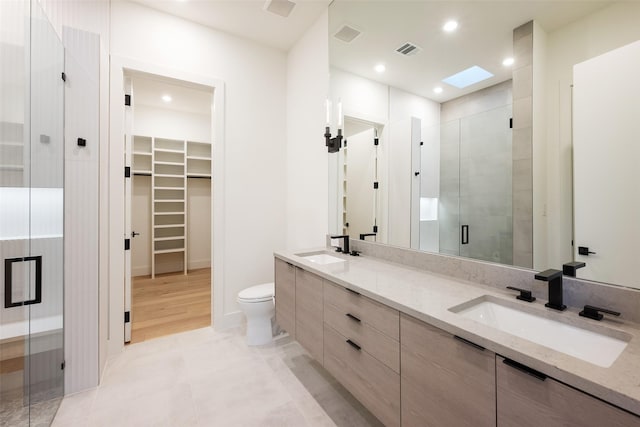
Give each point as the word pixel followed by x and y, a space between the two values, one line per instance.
pixel 528 400
pixel 285 283
pixel 309 313
pixel 445 381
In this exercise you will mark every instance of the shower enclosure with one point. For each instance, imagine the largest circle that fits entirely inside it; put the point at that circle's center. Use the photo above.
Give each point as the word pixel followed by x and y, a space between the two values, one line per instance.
pixel 474 209
pixel 31 215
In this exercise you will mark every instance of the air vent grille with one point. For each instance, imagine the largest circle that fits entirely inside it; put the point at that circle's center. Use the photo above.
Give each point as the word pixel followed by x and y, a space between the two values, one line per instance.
pixel 408 49
pixel 347 34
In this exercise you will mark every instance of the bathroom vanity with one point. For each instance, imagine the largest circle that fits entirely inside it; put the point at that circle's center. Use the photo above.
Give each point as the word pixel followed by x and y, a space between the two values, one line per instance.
pixel 397 338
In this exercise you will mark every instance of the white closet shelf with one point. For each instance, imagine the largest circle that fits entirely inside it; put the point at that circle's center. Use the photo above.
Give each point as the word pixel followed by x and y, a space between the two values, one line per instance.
pixel 165 175
pixel 166 239
pixel 168 188
pixel 168 213
pixel 141 153
pixel 198 175
pixel 167 150
pixel 169 163
pixel 169 251
pixel 169 200
pixel 198 158
pixel 141 172
pixel 169 226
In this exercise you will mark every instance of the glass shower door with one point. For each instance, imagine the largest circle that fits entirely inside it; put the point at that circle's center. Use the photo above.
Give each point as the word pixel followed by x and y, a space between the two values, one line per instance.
pixel 486 225
pixel 31 216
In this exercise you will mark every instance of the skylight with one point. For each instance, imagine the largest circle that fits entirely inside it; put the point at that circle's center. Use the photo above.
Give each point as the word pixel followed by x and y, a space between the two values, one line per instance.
pixel 468 77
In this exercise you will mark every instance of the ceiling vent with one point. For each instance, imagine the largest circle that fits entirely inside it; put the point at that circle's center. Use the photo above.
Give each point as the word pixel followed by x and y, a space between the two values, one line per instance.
pixel 347 34
pixel 279 7
pixel 408 49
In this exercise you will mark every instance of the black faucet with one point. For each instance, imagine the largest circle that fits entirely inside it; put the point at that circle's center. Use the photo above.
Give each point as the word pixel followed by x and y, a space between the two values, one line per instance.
pixel 345 244
pixel 363 235
pixel 554 277
pixel 569 269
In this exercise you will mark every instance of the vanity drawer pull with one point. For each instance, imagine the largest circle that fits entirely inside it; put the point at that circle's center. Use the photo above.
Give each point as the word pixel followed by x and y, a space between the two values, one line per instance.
pixel 352 317
pixel 523 368
pixel 353 292
pixel 472 344
pixel 354 345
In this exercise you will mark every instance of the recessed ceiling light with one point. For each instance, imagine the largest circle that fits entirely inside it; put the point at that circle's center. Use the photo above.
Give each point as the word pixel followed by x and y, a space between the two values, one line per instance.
pixel 166 98
pixel 468 77
pixel 450 26
pixel 380 68
pixel 437 89
pixel 508 62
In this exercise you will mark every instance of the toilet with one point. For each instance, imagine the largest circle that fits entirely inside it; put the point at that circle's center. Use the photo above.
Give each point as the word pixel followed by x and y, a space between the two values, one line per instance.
pixel 257 303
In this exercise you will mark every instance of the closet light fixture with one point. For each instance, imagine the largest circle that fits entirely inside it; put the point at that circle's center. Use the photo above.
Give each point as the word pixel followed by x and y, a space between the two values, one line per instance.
pixel 508 62
pixel 167 98
pixel 450 26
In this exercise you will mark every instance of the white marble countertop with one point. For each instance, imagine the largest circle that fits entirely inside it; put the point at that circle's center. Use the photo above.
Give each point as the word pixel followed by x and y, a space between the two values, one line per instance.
pixel 428 297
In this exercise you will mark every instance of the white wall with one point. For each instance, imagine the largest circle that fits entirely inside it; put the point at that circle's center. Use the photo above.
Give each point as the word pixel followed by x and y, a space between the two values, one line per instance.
pixel 254 194
pixel 600 32
pixel 306 159
pixel 172 124
pixel 375 102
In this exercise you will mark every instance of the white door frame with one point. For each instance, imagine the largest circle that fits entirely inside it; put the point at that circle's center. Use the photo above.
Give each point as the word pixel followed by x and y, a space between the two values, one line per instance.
pixel 116 190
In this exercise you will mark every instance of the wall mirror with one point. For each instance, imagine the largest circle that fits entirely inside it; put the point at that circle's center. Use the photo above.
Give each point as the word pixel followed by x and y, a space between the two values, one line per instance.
pixel 481 128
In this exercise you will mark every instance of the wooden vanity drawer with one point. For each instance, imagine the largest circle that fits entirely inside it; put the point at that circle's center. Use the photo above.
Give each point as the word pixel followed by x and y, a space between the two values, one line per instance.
pixel 309 328
pixel 374 342
pixel 374 384
pixel 378 316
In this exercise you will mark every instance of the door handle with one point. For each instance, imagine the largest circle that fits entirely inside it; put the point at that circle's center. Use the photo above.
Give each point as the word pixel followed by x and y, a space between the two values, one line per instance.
pixel 584 250
pixel 134 234
pixel 464 235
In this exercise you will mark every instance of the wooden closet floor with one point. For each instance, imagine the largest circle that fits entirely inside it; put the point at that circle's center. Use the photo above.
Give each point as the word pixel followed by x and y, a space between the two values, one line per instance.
pixel 170 303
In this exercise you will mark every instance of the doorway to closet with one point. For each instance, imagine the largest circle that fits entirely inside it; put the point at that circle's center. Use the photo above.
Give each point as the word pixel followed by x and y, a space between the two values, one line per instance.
pixel 168 205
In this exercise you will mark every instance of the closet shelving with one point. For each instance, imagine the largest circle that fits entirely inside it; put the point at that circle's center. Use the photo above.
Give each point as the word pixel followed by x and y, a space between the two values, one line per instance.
pixel 12 154
pixel 169 163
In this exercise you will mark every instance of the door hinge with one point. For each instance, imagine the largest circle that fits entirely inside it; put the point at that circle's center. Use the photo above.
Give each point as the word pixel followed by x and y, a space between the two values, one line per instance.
pixel 127 171
pixel 127 244
pixel 376 141
pixel 62 365
pixel 64 76
pixel 127 100
pixel 375 228
pixel 511 123
pixel 375 185
pixel 345 143
pixel 127 316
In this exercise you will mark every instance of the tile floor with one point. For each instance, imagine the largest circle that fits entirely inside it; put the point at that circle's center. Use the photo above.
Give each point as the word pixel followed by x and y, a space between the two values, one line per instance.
pixel 209 378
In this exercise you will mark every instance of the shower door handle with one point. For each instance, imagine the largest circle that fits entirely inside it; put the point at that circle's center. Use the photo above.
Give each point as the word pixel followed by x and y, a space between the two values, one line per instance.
pixel 464 235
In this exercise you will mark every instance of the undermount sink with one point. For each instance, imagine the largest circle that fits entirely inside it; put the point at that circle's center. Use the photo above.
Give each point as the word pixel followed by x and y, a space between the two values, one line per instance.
pixel 601 347
pixel 320 258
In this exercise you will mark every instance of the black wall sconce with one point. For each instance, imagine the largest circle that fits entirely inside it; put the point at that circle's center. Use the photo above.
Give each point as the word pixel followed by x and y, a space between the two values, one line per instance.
pixel 333 143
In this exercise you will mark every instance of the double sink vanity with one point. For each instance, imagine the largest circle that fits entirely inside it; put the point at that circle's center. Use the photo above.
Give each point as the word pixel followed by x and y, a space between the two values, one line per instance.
pixel 418 348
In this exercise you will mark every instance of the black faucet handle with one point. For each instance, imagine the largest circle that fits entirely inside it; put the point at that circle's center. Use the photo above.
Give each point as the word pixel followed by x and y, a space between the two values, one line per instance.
pixel 594 312
pixel 548 275
pixel 569 269
pixel 525 295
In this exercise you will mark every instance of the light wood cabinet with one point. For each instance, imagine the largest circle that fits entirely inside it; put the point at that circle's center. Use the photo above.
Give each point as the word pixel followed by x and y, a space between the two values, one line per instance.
pixel 529 398
pixel 373 383
pixel 445 381
pixel 309 315
pixel 285 295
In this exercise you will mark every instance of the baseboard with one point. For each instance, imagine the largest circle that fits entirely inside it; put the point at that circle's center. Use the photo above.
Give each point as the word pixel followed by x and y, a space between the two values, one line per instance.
pixel 200 263
pixel 144 270
pixel 228 321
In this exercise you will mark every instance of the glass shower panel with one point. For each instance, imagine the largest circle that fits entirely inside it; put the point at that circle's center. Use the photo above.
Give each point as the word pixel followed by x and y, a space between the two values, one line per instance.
pixel 45 367
pixel 14 212
pixel 449 204
pixel 31 215
pixel 486 226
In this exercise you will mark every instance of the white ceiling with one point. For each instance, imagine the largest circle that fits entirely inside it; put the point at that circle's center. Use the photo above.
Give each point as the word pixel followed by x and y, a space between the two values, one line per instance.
pixel 484 38
pixel 190 98
pixel 246 18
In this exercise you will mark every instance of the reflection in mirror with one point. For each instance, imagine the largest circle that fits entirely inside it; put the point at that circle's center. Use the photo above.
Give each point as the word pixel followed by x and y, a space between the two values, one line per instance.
pixel 453 177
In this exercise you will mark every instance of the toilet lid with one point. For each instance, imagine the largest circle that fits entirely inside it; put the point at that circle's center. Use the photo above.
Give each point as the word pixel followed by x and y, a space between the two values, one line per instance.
pixel 256 293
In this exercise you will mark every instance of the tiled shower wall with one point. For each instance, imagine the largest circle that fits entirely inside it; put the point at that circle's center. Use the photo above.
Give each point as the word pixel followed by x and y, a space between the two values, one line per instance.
pixel 522 146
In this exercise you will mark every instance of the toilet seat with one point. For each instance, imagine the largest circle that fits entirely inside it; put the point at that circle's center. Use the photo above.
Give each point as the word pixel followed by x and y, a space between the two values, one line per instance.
pixel 257 293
